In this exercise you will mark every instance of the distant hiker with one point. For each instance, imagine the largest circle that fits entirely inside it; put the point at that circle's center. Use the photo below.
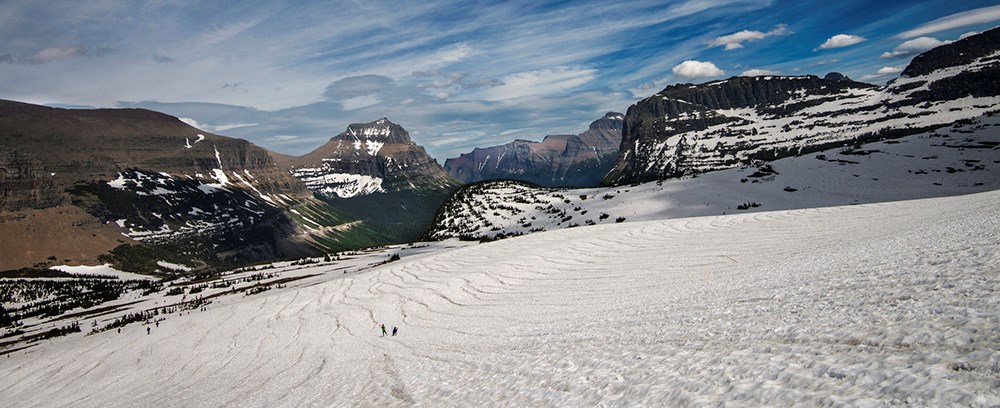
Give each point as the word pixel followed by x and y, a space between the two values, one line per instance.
pixel 394 329
pixel 147 330
pixel 383 330
pixel 119 330
pixel 157 323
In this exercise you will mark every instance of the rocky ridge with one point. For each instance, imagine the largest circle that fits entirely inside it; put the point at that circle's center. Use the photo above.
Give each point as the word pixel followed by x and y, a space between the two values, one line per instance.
pixel 557 161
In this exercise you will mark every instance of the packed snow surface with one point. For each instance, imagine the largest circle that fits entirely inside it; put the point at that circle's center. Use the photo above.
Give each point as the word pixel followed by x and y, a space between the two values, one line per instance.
pixel 869 305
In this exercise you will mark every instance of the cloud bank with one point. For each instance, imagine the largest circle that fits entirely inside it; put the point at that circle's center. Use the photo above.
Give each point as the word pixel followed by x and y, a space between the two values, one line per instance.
pixel 964 19
pixel 913 47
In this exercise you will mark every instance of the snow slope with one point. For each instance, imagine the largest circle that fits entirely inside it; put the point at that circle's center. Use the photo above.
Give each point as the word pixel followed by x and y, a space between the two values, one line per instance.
pixel 868 305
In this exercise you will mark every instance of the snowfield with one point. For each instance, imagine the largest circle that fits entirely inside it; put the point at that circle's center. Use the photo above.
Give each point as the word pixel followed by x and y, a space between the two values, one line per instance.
pixel 868 305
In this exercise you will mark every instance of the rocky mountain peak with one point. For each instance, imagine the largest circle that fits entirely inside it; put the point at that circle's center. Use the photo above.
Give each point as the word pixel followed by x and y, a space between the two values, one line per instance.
pixel 369 158
pixel 610 120
pixel 836 76
pixel 382 130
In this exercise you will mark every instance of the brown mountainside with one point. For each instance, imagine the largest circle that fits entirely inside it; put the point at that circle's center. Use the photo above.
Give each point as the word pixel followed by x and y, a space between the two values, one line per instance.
pixel 44 150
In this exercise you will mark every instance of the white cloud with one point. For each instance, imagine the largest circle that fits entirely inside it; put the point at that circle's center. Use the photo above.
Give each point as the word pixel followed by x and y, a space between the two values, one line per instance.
pixel 966 18
pixel 967 35
pixel 548 81
pixel 889 70
pixel 882 73
pixel 221 34
pixel 735 40
pixel 217 128
pixel 913 47
pixel 758 72
pixel 193 123
pixel 455 53
pixel 697 69
pixel 841 40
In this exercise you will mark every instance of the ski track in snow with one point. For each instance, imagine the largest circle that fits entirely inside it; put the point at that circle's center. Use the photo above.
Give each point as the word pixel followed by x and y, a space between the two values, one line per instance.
pixel 870 305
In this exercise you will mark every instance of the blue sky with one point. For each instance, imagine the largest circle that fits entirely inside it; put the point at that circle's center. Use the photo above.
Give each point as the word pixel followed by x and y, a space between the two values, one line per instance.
pixel 288 75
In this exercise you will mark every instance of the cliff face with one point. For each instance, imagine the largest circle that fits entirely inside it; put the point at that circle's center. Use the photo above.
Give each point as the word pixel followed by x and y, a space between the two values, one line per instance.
pixel 557 161
pixel 24 184
pixel 369 158
pixel 687 129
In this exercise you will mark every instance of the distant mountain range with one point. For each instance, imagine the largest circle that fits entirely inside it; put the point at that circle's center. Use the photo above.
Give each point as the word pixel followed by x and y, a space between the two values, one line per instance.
pixel 134 187
pixel 557 161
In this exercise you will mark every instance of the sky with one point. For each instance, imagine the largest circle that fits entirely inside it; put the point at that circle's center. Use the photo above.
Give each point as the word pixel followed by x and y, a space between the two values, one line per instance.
pixel 288 75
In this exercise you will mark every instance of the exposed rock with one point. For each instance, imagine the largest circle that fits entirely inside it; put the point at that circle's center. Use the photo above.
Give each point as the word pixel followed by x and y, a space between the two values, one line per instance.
pixel 836 76
pixel 24 184
pixel 558 160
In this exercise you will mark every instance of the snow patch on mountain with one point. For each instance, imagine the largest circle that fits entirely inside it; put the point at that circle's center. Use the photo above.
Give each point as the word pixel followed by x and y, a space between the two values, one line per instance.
pixel 186 197
pixel 343 185
pixel 174 266
pixel 188 144
pixel 101 270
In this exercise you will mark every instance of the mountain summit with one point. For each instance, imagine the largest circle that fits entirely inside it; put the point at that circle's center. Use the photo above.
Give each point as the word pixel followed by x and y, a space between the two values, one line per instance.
pixel 369 158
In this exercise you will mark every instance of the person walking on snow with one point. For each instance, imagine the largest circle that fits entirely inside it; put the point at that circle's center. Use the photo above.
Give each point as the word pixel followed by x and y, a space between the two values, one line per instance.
pixel 383 330
pixel 394 329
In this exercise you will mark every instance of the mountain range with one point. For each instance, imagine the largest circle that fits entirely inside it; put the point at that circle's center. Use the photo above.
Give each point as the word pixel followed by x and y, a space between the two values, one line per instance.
pixel 136 188
pixel 557 161
pixel 774 143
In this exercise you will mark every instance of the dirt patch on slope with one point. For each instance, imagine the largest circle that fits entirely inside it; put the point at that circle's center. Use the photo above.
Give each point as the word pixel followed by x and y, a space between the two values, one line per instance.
pixel 54 236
